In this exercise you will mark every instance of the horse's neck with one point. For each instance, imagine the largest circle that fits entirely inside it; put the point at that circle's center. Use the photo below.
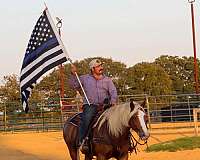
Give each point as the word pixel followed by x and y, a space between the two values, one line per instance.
pixel 104 134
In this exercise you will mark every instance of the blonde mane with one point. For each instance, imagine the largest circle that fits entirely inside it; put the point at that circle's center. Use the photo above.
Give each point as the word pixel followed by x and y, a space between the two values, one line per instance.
pixel 117 117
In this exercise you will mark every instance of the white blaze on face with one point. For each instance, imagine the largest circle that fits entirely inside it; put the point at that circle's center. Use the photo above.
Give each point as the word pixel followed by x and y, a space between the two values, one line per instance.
pixel 142 122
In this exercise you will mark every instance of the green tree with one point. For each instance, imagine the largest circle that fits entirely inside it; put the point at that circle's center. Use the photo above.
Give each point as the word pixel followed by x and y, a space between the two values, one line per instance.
pixel 180 70
pixel 50 84
pixel 9 90
pixel 148 78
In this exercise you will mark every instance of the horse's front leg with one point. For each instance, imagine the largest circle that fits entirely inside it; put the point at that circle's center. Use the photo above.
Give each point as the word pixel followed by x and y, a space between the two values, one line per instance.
pixel 101 157
pixel 88 157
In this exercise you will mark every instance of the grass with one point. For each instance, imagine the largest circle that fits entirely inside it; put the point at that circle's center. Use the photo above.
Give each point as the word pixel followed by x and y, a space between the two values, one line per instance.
pixel 186 143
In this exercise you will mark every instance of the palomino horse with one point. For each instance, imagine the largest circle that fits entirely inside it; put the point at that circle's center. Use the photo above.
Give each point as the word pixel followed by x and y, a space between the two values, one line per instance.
pixel 110 134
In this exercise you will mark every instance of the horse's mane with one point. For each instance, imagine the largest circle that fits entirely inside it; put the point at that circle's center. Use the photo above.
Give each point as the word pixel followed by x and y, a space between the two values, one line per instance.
pixel 117 117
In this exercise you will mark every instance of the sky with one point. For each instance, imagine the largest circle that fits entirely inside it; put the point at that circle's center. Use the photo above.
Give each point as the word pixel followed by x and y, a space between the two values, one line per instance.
pixel 129 31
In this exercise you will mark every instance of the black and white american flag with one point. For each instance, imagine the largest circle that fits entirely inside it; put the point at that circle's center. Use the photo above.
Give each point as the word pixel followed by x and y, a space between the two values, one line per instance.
pixel 45 50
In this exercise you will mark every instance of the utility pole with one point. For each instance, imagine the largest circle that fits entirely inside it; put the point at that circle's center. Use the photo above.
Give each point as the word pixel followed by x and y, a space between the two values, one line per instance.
pixel 194 48
pixel 61 68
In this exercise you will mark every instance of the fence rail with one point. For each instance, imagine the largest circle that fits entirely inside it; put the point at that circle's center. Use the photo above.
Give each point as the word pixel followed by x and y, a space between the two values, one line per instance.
pixel 167 114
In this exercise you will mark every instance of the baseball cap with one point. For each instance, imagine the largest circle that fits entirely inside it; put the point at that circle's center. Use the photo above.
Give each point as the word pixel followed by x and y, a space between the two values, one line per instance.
pixel 95 63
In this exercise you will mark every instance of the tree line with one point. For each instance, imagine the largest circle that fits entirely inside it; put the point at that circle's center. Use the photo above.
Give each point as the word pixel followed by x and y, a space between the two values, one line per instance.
pixel 165 75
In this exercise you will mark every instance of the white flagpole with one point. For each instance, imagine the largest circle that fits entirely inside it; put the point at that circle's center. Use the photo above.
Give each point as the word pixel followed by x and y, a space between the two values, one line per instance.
pixel 80 84
pixel 64 50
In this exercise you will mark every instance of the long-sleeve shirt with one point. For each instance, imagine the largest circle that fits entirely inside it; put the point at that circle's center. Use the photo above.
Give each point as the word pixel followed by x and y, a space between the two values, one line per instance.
pixel 96 90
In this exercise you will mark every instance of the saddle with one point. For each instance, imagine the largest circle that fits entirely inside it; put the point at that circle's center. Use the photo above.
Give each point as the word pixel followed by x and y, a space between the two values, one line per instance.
pixel 75 120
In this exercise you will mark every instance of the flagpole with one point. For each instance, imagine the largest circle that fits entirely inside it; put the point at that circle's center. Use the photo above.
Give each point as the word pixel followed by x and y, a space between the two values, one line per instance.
pixel 85 95
pixel 65 51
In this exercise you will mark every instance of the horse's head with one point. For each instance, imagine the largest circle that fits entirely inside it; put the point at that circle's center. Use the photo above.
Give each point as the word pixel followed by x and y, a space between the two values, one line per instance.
pixel 138 120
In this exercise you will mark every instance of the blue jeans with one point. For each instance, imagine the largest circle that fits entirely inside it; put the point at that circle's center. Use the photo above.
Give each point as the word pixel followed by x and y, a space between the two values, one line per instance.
pixel 89 112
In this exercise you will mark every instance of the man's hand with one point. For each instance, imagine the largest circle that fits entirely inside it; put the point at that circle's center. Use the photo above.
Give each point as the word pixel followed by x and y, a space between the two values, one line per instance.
pixel 113 104
pixel 73 69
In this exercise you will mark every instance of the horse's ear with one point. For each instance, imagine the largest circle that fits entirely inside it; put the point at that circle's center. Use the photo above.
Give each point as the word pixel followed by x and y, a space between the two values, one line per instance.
pixel 132 105
pixel 143 103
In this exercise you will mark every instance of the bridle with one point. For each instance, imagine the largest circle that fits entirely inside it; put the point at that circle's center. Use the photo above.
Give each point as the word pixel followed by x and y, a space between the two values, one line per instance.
pixel 134 141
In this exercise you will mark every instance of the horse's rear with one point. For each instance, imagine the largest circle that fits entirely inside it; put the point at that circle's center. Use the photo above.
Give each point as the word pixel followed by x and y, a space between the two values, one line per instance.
pixel 70 134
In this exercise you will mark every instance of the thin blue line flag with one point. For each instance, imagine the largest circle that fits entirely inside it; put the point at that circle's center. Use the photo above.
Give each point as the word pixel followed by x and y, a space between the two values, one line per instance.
pixel 45 51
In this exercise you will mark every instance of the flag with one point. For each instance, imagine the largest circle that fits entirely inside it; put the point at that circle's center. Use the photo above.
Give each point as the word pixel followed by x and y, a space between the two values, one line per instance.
pixel 45 50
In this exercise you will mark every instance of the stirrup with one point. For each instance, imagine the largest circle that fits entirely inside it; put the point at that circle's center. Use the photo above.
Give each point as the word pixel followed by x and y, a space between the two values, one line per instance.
pixel 84 147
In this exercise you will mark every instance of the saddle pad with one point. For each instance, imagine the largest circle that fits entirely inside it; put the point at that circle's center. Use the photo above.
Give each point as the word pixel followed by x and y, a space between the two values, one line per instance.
pixel 75 119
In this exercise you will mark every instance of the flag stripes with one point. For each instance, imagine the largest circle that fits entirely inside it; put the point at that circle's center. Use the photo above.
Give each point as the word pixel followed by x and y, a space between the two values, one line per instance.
pixel 45 51
pixel 51 43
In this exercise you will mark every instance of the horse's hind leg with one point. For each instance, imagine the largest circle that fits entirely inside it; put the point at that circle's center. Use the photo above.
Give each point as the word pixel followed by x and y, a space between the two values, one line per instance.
pixel 74 153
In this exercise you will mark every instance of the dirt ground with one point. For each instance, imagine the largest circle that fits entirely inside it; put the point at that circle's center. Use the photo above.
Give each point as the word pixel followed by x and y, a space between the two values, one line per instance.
pixel 51 146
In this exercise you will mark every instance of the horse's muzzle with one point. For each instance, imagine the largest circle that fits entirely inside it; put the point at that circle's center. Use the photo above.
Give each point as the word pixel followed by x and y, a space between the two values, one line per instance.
pixel 144 136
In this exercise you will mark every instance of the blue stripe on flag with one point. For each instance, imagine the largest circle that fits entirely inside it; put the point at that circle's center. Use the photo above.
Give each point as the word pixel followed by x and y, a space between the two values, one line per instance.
pixel 45 59
pixel 30 57
pixel 44 70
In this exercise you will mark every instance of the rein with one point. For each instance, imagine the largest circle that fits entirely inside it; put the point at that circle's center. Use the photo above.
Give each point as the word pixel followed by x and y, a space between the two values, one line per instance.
pixel 133 139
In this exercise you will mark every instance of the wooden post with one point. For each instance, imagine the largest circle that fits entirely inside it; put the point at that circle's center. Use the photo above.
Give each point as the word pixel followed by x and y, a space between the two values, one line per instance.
pixel 5 119
pixel 148 112
pixel 195 114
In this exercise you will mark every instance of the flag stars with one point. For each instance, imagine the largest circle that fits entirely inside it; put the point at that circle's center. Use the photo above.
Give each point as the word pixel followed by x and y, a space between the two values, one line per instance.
pixel 41 33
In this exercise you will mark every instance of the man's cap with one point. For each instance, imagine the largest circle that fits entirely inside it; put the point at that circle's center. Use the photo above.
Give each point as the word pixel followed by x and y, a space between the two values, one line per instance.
pixel 95 63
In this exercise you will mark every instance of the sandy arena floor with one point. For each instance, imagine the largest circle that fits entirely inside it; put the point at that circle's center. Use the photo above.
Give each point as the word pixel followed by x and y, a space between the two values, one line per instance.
pixel 51 146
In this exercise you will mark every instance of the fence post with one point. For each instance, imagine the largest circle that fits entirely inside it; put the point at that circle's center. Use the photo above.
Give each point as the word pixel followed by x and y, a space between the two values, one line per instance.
pixel 5 118
pixel 148 111
pixel 61 112
pixel 195 112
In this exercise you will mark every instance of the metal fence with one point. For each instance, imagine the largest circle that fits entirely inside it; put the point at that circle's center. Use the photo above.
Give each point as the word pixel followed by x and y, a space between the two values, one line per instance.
pixel 167 113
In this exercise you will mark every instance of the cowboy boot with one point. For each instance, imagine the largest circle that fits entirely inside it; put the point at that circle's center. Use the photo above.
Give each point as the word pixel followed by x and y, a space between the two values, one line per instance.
pixel 84 148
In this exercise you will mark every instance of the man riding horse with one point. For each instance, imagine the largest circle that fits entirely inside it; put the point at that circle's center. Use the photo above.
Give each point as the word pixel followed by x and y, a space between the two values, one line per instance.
pixel 97 87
